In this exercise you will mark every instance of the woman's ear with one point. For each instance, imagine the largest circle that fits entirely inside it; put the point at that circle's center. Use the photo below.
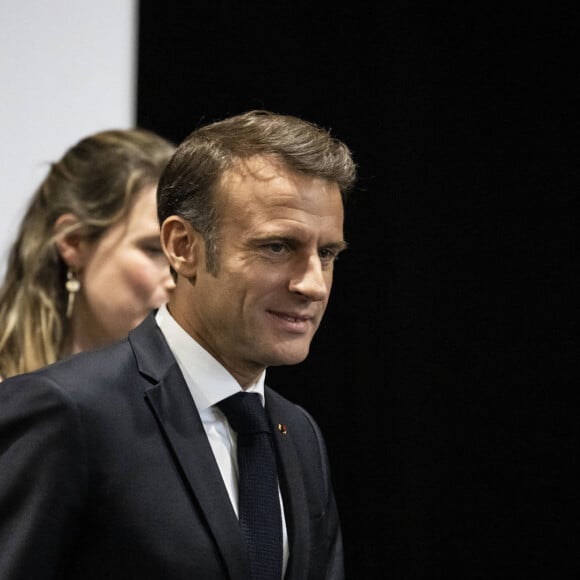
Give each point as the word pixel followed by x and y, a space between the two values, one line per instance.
pixel 68 241
pixel 182 245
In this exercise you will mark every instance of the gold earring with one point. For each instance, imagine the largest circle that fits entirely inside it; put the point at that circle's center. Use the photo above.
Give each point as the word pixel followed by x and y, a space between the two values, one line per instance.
pixel 72 285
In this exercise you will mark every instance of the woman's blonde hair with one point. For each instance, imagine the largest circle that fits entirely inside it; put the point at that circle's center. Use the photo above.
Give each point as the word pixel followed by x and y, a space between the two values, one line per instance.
pixel 96 180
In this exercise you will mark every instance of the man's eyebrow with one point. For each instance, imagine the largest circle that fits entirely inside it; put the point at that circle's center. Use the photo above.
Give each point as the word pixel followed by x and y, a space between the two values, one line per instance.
pixel 337 246
pixel 272 238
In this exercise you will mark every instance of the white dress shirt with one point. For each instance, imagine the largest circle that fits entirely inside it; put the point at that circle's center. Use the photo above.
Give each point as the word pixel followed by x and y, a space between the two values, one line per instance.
pixel 209 383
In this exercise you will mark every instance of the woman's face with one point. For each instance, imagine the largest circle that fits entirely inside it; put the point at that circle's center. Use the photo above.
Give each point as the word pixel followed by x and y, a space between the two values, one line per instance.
pixel 124 275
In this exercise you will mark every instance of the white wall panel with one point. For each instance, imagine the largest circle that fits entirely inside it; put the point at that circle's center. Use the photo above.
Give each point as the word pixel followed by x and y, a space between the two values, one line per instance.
pixel 67 69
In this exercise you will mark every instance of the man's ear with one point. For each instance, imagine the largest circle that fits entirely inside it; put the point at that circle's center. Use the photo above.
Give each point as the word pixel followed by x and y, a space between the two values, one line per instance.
pixel 69 241
pixel 183 246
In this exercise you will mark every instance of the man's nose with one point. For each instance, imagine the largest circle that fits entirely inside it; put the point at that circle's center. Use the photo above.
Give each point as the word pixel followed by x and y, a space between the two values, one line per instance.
pixel 310 280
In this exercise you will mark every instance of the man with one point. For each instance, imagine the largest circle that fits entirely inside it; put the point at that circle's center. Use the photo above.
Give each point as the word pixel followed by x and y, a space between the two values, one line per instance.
pixel 119 464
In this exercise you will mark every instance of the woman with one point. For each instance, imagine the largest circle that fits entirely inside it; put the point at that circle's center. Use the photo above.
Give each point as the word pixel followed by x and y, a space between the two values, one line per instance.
pixel 87 264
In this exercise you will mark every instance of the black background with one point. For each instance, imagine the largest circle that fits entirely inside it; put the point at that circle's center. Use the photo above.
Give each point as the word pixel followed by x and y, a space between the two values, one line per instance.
pixel 444 372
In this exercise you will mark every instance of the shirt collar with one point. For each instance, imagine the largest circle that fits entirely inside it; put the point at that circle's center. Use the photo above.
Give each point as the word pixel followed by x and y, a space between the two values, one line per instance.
pixel 207 379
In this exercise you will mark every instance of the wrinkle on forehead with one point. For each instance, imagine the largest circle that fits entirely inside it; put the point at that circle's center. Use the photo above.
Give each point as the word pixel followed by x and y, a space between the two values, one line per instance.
pixel 288 187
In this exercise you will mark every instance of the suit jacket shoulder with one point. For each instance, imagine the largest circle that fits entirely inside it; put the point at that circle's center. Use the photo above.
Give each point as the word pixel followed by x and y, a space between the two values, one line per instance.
pixel 106 472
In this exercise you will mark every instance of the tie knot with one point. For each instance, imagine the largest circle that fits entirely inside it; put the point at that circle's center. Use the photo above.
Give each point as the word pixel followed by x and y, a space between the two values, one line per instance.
pixel 245 413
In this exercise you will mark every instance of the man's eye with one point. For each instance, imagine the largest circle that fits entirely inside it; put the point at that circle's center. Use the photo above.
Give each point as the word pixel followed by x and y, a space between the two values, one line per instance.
pixel 276 247
pixel 327 255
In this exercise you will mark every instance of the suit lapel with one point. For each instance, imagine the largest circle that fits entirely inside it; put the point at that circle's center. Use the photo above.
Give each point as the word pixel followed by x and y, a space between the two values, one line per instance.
pixel 293 492
pixel 171 403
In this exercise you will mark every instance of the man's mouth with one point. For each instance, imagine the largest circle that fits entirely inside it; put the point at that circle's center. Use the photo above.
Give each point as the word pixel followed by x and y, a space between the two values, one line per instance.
pixel 292 321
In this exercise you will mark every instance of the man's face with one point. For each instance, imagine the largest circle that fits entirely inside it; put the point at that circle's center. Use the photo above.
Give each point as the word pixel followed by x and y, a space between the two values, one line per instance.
pixel 280 234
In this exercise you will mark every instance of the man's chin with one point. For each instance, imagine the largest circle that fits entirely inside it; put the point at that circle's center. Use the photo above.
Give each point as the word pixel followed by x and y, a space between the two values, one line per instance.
pixel 288 357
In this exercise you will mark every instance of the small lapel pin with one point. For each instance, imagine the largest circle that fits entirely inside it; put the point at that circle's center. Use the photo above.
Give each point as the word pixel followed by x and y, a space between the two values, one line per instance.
pixel 282 428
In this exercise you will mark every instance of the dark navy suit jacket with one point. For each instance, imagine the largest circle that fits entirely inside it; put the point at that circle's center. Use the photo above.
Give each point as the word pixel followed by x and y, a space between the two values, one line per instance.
pixel 106 473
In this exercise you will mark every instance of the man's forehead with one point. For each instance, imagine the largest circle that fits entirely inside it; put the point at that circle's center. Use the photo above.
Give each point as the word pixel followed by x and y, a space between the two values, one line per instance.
pixel 258 167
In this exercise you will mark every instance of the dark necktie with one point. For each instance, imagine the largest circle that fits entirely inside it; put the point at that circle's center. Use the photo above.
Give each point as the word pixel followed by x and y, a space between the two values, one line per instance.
pixel 259 504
